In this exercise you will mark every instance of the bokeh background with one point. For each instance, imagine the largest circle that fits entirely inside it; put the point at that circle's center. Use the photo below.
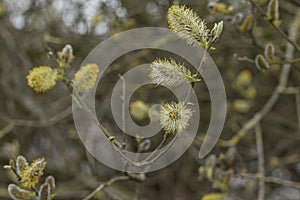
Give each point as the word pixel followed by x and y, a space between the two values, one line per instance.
pixel 41 125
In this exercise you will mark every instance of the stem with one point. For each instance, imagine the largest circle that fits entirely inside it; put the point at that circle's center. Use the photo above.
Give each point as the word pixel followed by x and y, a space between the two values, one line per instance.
pixel 261 161
pixel 200 69
pixel 106 184
pixel 275 180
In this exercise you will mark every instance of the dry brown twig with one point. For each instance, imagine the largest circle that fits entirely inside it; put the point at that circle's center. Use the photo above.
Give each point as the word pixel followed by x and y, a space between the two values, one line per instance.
pixel 12 123
pixel 106 184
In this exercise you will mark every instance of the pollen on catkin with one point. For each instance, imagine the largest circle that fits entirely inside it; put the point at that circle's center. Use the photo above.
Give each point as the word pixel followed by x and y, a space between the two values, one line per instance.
pixel 31 174
pixel 174 117
pixel 42 78
pixel 188 26
pixel 169 73
pixel 85 79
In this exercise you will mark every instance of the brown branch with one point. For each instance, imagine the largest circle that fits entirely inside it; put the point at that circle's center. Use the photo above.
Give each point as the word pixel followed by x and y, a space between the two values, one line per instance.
pixel 261 161
pixel 106 184
pixel 12 123
pixel 269 179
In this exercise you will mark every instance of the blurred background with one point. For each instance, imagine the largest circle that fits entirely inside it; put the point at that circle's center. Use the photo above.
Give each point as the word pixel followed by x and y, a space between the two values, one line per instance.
pixel 41 125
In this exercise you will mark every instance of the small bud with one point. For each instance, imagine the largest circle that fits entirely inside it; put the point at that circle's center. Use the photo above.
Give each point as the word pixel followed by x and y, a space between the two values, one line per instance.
pixel 269 52
pixel 51 182
pixel 217 30
pixel 247 23
pixel 273 10
pixel 21 164
pixel 65 56
pixel 44 193
pixel 51 56
pixel 12 163
pixel 261 62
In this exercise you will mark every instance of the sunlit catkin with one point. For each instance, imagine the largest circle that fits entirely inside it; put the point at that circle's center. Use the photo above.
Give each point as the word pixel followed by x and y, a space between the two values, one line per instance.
pixel 188 26
pixel 169 73
pixel 85 79
pixel 174 117
pixel 41 79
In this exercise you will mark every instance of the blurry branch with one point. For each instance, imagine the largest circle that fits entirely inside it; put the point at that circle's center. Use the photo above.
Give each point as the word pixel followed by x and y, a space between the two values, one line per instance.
pixel 291 90
pixel 6 129
pixel 32 123
pixel 277 28
pixel 123 111
pixel 261 161
pixel 106 184
pixel 249 60
pixel 243 59
pixel 297 96
pixel 275 95
pixel 268 179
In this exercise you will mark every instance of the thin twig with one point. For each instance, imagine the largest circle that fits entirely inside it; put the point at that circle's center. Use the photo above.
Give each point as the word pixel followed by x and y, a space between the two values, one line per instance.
pixel 261 161
pixel 200 69
pixel 12 123
pixel 269 179
pixel 297 96
pixel 123 112
pixel 106 184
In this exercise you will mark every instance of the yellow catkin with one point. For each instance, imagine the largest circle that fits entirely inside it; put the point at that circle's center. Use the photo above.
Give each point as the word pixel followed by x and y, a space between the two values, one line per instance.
pixel 41 79
pixel 31 174
pixel 174 117
pixel 85 79
pixel 188 26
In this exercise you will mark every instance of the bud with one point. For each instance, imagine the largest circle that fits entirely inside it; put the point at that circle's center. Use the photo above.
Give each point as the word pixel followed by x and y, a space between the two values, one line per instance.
pixel 273 10
pixel 247 23
pixel 261 62
pixel 217 30
pixel 44 193
pixel 269 52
